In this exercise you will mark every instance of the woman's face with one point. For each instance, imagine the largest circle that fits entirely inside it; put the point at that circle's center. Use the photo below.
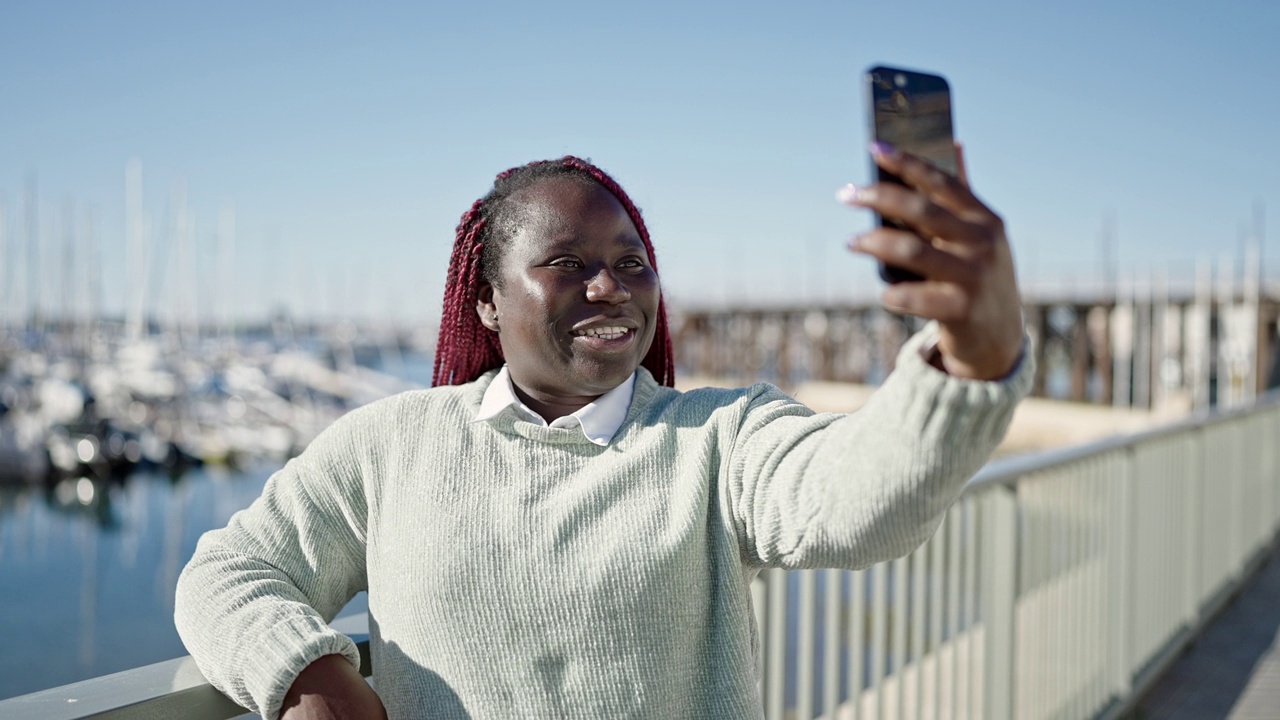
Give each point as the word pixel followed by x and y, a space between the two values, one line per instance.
pixel 577 300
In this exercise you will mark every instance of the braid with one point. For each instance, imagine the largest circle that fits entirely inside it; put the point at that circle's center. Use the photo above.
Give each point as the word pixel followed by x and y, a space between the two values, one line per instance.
pixel 466 349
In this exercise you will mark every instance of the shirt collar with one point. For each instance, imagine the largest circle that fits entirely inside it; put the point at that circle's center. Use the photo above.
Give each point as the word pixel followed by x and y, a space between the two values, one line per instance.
pixel 599 420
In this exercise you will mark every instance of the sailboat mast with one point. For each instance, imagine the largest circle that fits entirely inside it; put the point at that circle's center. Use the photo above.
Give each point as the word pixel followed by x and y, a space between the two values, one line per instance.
pixel 93 276
pixel 137 253
pixel 31 282
pixel 226 289
pixel 5 302
pixel 66 321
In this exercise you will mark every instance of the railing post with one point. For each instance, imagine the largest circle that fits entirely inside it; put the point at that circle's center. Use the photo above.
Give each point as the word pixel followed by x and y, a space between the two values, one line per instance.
pixel 1000 554
pixel 776 646
pixel 1195 523
pixel 1120 556
pixel 1269 467
pixel 1239 531
pixel 808 626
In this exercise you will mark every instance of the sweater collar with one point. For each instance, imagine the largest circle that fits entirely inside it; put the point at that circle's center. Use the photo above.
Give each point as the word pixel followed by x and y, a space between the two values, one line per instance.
pixel 598 420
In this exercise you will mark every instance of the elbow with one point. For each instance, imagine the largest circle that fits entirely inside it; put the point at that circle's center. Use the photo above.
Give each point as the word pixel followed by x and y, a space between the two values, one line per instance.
pixel 186 605
pixel 898 526
pixel 914 534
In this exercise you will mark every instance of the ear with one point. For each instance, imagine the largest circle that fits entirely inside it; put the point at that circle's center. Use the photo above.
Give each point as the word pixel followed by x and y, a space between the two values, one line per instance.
pixel 485 306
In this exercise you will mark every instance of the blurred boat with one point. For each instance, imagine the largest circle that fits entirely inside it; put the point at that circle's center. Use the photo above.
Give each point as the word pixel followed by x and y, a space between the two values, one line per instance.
pixel 24 457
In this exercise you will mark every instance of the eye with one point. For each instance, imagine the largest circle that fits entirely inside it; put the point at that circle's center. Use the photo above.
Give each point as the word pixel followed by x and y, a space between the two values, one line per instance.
pixel 566 263
pixel 631 263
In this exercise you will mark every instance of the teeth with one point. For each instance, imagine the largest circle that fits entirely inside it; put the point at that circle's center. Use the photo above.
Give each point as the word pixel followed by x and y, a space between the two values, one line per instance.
pixel 607 333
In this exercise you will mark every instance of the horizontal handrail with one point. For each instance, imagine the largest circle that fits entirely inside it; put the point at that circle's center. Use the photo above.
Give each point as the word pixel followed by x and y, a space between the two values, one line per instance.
pixel 1007 471
pixel 160 691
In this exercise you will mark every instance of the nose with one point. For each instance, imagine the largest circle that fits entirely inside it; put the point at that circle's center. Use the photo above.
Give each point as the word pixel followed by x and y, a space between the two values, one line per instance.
pixel 605 287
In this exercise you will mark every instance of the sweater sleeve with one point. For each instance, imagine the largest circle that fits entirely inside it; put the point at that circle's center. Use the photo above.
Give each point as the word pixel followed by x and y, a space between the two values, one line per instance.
pixel 848 491
pixel 253 604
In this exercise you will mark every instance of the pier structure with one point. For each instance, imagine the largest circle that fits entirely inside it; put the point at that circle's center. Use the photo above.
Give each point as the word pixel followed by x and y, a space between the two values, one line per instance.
pixel 1141 345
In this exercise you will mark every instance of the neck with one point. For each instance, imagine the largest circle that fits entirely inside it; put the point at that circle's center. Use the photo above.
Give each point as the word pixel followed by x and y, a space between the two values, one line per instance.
pixel 552 408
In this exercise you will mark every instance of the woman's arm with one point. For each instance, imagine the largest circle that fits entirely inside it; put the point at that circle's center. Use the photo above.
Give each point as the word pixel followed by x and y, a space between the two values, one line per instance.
pixel 851 490
pixel 827 491
pixel 254 603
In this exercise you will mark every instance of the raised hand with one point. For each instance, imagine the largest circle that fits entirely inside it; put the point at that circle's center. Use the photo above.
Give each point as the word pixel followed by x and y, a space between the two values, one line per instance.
pixel 958 245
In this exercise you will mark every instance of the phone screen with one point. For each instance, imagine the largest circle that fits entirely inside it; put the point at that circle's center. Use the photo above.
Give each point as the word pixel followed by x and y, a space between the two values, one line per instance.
pixel 911 111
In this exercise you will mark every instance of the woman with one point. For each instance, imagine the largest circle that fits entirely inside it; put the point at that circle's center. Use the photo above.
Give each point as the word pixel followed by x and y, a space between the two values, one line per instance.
pixel 563 534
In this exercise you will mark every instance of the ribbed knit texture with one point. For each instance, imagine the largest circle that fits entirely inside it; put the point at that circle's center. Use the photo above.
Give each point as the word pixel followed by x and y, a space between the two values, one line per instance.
pixel 522 571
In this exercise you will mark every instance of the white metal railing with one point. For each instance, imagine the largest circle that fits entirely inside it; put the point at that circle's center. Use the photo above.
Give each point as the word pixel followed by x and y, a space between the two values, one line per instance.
pixel 1060 585
pixel 160 691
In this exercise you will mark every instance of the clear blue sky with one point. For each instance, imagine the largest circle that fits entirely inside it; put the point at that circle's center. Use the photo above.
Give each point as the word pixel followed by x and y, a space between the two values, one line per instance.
pixel 351 140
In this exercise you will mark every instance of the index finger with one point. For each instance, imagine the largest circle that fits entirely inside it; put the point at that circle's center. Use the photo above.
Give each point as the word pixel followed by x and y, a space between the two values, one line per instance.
pixel 962 173
pixel 941 187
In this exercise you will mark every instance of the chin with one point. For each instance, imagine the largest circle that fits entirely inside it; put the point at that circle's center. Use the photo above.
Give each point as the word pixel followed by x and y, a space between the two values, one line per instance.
pixel 605 376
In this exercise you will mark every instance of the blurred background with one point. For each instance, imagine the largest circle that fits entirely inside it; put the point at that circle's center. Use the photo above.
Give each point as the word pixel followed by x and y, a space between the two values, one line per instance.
pixel 223 226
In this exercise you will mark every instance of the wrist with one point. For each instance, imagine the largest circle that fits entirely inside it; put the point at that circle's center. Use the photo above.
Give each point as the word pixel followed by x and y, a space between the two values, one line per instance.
pixel 330 687
pixel 993 366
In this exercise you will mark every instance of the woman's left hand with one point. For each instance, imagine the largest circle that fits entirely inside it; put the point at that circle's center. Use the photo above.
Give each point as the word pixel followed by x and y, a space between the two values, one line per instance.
pixel 958 245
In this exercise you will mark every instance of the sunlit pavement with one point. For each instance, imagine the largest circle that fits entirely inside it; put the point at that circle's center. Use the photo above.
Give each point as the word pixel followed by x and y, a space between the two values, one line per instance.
pixel 1233 671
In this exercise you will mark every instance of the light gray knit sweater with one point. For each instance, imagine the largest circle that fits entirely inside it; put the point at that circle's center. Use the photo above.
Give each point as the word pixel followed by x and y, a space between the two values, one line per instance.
pixel 522 571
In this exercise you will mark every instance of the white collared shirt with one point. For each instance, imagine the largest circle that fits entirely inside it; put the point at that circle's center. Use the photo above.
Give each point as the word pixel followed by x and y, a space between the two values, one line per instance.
pixel 599 420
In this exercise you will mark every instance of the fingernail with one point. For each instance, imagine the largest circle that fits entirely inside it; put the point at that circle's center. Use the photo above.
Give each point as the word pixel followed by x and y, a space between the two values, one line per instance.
pixel 895 296
pixel 881 148
pixel 848 194
pixel 855 243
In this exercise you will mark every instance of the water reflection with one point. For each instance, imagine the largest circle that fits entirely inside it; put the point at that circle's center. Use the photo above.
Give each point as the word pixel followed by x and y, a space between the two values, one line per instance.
pixel 88 564
pixel 88 568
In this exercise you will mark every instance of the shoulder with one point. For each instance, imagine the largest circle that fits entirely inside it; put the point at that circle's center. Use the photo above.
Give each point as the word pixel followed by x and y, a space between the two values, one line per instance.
pixel 712 404
pixel 464 399
pixel 740 397
pixel 384 419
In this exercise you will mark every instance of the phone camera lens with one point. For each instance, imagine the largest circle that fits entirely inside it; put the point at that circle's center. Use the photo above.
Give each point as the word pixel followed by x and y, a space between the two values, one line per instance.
pixel 900 80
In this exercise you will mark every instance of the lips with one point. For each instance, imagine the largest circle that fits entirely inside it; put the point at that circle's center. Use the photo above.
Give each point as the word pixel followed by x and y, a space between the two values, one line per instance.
pixel 603 325
pixel 612 334
pixel 607 332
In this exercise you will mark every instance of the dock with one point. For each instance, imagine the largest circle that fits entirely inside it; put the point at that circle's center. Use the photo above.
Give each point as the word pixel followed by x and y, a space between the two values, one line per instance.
pixel 1233 670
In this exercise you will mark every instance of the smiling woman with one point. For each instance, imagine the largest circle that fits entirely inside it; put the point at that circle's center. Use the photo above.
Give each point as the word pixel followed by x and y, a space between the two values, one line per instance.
pixel 577 295
pixel 543 207
pixel 553 530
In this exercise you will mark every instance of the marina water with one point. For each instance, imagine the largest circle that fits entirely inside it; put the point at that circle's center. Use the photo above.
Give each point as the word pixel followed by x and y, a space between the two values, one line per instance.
pixel 88 567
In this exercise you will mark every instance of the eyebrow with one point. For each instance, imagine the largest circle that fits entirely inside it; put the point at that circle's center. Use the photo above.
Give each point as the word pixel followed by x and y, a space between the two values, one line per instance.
pixel 571 243
pixel 632 241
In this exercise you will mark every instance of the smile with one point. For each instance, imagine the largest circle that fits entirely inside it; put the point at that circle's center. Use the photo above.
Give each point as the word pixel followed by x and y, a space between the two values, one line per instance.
pixel 604 333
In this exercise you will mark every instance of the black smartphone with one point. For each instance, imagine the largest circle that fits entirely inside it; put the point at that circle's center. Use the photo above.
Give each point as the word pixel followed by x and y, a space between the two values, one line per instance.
pixel 910 110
